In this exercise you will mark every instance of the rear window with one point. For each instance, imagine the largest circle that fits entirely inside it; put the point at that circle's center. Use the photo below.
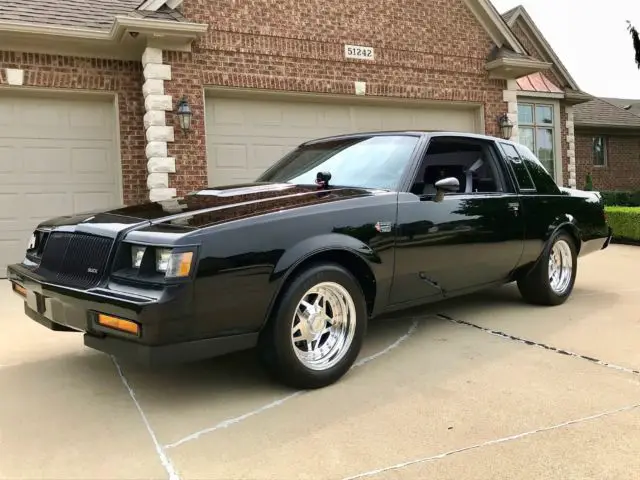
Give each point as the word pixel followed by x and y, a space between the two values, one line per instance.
pixel 523 177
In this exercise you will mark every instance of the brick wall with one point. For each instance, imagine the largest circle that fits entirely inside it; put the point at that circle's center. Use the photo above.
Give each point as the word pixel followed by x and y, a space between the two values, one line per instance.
pixel 623 163
pixel 125 78
pixel 426 49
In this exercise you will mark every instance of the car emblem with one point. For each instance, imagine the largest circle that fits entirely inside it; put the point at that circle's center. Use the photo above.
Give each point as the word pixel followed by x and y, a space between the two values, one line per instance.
pixel 92 270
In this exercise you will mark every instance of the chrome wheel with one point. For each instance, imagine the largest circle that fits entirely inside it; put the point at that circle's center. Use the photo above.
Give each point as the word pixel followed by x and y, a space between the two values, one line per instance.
pixel 560 267
pixel 323 326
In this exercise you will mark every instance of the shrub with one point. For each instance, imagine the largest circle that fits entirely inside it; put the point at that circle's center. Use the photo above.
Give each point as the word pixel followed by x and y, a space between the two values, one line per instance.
pixel 588 186
pixel 625 222
pixel 621 198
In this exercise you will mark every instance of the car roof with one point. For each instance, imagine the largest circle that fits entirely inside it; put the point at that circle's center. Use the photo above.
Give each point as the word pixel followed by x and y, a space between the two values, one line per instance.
pixel 420 133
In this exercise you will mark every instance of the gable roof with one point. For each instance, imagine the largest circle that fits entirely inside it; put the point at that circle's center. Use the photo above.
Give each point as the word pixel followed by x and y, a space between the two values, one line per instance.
pixel 100 14
pixel 93 14
pixel 520 13
pixel 509 14
pixel 495 25
pixel 601 113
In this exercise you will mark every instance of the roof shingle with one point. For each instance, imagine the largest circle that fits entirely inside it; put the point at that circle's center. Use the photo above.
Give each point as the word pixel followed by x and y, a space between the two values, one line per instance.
pixel 96 14
pixel 630 105
pixel 599 112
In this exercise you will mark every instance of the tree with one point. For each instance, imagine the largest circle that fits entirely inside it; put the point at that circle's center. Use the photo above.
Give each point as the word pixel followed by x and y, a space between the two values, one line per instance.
pixel 636 41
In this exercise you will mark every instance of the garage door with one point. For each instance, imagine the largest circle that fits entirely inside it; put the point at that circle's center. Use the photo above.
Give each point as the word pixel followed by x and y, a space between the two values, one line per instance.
pixel 245 136
pixel 57 156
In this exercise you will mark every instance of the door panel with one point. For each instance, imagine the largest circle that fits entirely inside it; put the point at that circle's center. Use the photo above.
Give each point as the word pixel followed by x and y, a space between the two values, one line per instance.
pixel 461 242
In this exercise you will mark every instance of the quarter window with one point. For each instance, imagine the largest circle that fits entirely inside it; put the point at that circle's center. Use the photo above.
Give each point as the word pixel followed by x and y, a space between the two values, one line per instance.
pixel 525 182
pixel 536 131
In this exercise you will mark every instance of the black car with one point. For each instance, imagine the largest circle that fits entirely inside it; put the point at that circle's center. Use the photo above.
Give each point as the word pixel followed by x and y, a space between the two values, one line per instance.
pixel 339 231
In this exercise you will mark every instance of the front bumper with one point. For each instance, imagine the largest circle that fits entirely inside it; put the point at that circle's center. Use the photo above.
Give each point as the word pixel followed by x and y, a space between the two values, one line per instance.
pixel 166 325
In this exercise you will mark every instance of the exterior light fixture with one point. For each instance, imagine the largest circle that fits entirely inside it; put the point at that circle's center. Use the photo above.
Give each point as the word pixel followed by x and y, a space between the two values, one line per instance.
pixel 506 126
pixel 184 114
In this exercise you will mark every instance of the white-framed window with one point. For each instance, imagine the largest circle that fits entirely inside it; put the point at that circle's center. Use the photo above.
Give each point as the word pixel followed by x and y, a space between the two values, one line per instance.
pixel 536 130
pixel 599 151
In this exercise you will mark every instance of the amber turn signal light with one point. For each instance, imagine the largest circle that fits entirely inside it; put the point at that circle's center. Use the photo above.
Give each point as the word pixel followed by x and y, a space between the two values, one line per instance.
pixel 118 324
pixel 19 290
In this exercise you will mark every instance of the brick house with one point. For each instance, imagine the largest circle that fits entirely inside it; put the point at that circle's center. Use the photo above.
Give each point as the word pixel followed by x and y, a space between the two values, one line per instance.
pixel 608 143
pixel 605 141
pixel 89 91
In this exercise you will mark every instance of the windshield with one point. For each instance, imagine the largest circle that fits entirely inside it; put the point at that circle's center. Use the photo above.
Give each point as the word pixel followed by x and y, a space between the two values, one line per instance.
pixel 376 162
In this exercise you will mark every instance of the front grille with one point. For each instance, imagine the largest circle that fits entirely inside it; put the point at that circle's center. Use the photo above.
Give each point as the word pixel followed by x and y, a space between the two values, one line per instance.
pixel 75 259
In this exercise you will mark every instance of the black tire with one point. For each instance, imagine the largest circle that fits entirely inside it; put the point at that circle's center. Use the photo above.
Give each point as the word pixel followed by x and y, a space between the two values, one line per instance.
pixel 275 346
pixel 536 288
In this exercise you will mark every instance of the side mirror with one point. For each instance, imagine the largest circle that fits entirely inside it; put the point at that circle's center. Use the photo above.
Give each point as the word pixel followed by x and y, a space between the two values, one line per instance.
pixel 449 184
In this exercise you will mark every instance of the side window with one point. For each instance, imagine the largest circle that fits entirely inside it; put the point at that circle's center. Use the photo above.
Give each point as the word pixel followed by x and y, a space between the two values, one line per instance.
pixel 523 177
pixel 467 160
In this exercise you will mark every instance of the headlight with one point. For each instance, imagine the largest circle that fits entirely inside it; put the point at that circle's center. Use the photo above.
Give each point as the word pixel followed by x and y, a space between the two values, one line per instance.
pixel 137 252
pixel 174 264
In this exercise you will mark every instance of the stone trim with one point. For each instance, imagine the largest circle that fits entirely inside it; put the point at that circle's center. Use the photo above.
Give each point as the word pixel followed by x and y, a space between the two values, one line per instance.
pixel 157 133
pixel 571 147
pixel 510 96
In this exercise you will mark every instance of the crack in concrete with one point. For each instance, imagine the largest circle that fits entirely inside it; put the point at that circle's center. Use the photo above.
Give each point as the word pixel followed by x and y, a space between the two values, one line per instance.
pixel 492 442
pixel 164 458
pixel 531 343
pixel 276 403
pixel 172 473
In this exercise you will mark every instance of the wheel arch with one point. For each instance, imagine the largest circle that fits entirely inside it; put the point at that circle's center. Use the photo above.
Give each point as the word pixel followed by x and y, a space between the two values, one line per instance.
pixel 353 256
pixel 566 223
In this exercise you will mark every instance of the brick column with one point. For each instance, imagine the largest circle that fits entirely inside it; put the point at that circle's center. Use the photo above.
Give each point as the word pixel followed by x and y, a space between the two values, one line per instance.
pixel 571 148
pixel 157 132
pixel 510 96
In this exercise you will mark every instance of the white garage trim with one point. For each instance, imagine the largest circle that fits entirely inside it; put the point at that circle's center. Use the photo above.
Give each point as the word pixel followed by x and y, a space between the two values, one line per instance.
pixel 338 98
pixel 230 118
pixel 63 145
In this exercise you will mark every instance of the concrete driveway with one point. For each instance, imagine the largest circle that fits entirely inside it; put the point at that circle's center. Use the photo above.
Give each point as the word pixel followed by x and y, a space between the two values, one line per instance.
pixel 477 388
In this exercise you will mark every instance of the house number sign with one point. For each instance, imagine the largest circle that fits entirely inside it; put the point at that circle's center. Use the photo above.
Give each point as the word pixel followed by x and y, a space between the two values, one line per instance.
pixel 358 52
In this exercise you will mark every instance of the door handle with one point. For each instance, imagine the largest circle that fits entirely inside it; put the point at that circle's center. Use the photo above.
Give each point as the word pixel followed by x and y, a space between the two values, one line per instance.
pixel 514 207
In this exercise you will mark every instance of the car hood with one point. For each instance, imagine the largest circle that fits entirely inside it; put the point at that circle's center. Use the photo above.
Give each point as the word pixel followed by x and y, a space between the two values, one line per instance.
pixel 208 207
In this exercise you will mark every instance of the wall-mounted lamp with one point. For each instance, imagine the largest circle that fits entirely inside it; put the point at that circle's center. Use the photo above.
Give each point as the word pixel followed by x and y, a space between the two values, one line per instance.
pixel 184 114
pixel 506 126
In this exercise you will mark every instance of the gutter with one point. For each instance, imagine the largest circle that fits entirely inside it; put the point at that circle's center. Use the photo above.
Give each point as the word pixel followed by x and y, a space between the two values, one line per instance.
pixel 26 28
pixel 121 26
pixel 606 126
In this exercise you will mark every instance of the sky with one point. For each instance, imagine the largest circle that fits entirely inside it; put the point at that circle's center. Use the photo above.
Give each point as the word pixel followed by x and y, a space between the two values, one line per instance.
pixel 591 39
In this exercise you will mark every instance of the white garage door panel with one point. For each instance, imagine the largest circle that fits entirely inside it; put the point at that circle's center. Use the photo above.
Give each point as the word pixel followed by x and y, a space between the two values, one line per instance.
pixel 57 156
pixel 245 136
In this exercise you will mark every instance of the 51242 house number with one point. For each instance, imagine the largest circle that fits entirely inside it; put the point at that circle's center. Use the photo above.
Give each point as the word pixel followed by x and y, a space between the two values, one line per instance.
pixel 359 52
